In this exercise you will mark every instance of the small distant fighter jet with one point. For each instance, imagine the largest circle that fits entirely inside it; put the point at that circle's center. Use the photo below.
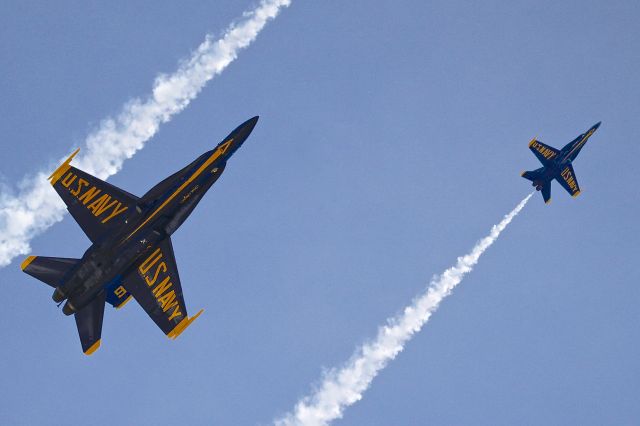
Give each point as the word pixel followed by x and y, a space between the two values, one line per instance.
pixel 131 254
pixel 557 165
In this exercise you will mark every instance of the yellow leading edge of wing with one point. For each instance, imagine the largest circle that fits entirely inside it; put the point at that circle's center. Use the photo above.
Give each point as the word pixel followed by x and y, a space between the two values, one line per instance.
pixel 57 174
pixel 120 306
pixel 532 141
pixel 26 262
pixel 93 348
pixel 182 325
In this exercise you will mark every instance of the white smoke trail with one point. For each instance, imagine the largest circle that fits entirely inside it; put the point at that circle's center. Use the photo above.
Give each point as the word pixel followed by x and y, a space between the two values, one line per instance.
pixel 37 206
pixel 343 387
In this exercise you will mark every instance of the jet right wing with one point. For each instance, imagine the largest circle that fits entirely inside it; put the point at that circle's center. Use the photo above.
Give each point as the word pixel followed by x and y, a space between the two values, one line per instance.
pixel 155 284
pixel 96 205
pixel 544 153
pixel 567 178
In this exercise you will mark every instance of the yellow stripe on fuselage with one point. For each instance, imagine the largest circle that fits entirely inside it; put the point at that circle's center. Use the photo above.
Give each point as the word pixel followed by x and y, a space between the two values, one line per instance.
pixel 197 173
pixel 579 144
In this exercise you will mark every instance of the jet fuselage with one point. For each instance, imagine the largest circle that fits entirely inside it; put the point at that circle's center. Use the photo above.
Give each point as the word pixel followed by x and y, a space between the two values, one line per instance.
pixel 566 156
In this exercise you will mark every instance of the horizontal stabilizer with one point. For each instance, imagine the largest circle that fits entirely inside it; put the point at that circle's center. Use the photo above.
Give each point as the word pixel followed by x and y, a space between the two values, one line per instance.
pixel 89 323
pixel 546 192
pixel 532 175
pixel 49 270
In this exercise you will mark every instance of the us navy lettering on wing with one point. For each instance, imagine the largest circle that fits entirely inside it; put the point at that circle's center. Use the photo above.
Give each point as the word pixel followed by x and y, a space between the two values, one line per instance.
pixel 102 206
pixel 160 279
pixel 568 177
pixel 546 152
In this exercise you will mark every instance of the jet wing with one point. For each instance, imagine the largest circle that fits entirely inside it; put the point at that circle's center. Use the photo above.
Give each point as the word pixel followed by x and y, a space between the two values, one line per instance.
pixel 96 205
pixel 544 153
pixel 567 178
pixel 155 284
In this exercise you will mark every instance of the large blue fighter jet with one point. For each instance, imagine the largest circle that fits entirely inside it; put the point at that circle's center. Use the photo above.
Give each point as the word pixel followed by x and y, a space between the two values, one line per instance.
pixel 131 253
pixel 556 164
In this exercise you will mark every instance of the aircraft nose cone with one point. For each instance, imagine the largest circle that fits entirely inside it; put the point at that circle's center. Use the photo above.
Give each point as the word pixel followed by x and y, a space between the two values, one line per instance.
pixel 253 120
pixel 245 129
pixel 597 124
pixel 238 136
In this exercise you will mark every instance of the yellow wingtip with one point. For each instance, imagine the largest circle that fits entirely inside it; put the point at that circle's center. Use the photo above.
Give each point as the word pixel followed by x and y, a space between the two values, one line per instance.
pixel 532 141
pixel 522 173
pixel 548 201
pixel 182 325
pixel 26 262
pixel 120 306
pixel 93 348
pixel 576 194
pixel 57 174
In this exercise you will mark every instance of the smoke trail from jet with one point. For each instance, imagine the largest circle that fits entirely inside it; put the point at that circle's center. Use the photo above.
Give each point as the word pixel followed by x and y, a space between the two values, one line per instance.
pixel 343 387
pixel 37 207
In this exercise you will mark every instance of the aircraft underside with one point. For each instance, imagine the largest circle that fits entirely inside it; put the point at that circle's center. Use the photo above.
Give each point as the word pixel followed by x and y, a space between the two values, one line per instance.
pixel 132 254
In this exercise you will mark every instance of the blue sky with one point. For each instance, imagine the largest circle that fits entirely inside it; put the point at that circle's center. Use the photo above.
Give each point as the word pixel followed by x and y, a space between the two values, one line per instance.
pixel 391 138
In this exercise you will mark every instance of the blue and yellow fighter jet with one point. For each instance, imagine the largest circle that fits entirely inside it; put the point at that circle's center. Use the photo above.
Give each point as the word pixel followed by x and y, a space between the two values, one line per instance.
pixel 131 254
pixel 557 165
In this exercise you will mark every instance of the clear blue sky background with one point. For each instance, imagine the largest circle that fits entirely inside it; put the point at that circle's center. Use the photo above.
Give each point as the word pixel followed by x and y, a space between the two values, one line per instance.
pixel 391 138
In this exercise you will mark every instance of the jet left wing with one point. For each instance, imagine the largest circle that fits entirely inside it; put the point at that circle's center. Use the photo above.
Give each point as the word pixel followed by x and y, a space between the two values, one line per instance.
pixel 96 205
pixel 155 284
pixel 544 153
pixel 567 178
